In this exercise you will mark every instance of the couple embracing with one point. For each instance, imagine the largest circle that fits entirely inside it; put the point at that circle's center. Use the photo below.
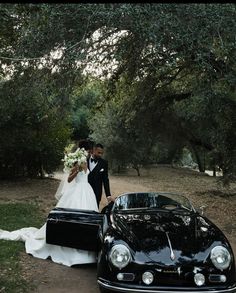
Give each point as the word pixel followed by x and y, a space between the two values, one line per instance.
pixel 86 179
pixel 88 174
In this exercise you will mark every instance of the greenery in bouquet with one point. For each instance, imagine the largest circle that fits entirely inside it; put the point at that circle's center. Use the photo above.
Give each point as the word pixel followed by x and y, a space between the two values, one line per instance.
pixel 69 148
pixel 79 156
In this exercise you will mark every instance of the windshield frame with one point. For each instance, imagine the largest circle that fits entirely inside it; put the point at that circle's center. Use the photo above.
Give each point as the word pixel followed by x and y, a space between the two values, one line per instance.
pixel 181 202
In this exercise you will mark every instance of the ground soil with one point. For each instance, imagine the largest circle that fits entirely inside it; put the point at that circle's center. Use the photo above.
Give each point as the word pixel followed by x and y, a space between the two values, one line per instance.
pixel 201 189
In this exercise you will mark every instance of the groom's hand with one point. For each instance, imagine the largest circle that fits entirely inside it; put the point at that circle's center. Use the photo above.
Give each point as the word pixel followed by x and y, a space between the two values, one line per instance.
pixel 109 199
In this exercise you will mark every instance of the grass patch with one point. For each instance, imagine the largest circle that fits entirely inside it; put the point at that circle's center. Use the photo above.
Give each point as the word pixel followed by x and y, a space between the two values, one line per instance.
pixel 15 216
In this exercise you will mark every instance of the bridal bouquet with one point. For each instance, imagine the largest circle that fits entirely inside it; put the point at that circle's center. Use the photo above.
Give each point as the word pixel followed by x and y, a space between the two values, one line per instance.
pixel 80 156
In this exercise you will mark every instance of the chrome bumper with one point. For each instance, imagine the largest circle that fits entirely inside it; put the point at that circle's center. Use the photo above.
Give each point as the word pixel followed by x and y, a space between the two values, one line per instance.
pixel 141 289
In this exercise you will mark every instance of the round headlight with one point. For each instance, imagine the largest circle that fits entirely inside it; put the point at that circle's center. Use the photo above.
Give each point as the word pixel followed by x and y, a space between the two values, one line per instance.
pixel 120 256
pixel 147 278
pixel 199 279
pixel 120 277
pixel 220 257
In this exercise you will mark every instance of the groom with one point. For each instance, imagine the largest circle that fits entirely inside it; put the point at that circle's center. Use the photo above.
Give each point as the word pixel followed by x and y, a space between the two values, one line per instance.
pixel 98 175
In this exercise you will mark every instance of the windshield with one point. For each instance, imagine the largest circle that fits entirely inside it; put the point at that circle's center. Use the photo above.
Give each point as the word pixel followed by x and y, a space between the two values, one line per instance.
pixel 167 201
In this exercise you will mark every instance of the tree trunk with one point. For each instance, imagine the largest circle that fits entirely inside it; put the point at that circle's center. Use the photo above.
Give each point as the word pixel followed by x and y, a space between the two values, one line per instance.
pixel 199 162
pixel 137 169
pixel 118 169
pixel 214 171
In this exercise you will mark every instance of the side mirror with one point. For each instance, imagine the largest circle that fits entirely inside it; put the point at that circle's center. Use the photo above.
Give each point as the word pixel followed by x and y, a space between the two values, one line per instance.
pixel 202 209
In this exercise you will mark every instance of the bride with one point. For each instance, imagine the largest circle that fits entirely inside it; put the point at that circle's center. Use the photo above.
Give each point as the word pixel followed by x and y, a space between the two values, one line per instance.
pixel 78 194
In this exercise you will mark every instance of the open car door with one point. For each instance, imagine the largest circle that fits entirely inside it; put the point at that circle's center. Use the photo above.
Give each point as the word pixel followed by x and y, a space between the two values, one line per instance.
pixel 74 228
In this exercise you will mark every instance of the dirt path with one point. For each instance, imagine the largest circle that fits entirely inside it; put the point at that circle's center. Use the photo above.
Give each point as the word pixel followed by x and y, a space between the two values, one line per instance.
pixel 49 277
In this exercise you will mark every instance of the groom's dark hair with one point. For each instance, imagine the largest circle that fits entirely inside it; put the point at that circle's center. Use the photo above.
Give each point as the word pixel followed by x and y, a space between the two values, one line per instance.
pixel 99 145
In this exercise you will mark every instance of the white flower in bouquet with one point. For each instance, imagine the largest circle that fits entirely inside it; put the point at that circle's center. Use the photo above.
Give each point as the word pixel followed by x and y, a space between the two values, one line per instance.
pixel 79 156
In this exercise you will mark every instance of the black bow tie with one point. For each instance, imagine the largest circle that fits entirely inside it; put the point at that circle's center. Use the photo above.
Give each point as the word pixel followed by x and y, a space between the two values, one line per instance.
pixel 94 160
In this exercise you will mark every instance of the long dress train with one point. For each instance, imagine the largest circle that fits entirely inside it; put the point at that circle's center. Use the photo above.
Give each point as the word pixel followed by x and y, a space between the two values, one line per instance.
pixel 78 195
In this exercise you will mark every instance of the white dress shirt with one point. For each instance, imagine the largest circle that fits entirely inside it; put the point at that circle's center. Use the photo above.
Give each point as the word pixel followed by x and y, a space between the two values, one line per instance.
pixel 92 165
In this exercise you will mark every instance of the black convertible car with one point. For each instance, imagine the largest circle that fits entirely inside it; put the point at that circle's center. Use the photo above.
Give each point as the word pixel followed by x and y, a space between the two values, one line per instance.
pixel 149 242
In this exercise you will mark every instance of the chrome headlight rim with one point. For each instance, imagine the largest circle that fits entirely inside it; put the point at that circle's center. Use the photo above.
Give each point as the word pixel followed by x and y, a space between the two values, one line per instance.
pixel 119 248
pixel 219 253
pixel 148 277
pixel 199 279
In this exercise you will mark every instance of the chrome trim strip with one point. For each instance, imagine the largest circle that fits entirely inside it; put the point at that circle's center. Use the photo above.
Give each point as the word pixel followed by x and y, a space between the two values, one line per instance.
pixel 172 255
pixel 72 221
pixel 125 290
pixel 77 212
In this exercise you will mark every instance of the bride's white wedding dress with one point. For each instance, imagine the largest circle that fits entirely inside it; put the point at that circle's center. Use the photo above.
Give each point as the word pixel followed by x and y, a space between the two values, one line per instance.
pixel 78 195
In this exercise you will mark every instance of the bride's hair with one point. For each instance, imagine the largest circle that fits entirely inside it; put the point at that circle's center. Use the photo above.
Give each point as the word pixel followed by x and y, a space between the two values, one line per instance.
pixel 86 144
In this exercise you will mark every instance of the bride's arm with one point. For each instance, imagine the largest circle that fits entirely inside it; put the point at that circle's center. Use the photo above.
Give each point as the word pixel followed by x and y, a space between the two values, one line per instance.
pixel 74 171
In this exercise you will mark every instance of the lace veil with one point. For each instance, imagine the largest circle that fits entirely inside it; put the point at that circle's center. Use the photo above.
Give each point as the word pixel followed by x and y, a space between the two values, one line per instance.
pixel 64 185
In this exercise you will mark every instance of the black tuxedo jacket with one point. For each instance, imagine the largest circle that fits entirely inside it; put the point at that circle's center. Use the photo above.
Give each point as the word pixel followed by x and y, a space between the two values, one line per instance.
pixel 98 177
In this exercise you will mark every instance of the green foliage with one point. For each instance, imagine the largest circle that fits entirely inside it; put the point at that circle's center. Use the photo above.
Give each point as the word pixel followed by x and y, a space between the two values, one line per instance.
pixel 125 146
pixel 11 280
pixel 33 135
pixel 181 68
pixel 84 102
pixel 173 83
pixel 15 216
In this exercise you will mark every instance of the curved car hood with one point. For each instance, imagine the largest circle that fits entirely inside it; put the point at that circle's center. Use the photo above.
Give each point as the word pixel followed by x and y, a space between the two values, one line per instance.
pixel 173 236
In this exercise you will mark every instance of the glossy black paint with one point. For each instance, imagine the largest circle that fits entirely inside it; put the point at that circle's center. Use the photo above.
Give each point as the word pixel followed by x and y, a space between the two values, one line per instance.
pixel 165 236
pixel 153 254
pixel 146 232
pixel 74 228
